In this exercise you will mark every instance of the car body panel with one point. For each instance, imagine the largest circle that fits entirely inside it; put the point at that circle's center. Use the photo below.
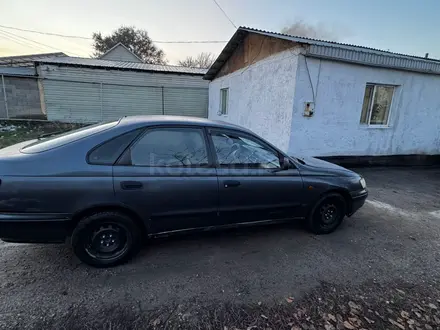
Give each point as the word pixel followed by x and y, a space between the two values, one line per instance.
pixel 261 194
pixel 49 189
pixel 170 198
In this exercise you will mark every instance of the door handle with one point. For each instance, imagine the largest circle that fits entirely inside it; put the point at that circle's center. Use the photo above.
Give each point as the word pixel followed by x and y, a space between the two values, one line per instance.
pixel 130 185
pixel 231 183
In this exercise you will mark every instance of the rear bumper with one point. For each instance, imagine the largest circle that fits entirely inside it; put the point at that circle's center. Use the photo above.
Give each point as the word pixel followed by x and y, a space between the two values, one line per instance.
pixel 34 227
pixel 358 199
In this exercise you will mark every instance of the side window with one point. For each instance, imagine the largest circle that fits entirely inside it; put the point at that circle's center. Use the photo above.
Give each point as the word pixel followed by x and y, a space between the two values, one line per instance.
pixel 239 151
pixel 108 152
pixel 170 147
pixel 377 104
pixel 224 100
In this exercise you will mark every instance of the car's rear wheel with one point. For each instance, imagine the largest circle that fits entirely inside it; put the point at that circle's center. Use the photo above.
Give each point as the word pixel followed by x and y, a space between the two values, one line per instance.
pixel 106 239
pixel 327 214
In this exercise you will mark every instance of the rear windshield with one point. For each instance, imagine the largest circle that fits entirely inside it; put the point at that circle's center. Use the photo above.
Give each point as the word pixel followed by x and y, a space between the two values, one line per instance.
pixel 58 140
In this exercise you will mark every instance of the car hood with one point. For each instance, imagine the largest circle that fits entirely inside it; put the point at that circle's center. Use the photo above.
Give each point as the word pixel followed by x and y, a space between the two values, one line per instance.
pixel 321 167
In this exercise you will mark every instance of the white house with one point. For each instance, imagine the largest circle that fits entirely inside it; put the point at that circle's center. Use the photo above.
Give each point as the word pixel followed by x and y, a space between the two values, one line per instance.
pixel 317 98
pixel 75 89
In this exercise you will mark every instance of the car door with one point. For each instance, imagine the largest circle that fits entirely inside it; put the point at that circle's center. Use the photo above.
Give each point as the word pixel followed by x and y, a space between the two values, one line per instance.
pixel 253 186
pixel 167 176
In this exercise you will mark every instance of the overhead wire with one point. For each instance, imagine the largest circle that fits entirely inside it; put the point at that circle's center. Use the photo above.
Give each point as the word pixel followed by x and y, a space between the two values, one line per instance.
pixel 36 42
pixel 88 38
pixel 19 42
pixel 44 33
pixel 224 13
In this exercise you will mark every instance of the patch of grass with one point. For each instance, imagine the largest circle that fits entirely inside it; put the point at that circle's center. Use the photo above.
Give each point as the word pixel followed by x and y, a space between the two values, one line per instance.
pixel 12 132
pixel 328 307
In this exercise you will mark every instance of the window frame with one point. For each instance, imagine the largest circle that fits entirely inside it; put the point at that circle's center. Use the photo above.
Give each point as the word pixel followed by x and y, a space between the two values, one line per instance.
pixel 139 129
pixel 371 103
pixel 253 138
pixel 221 102
pixel 125 158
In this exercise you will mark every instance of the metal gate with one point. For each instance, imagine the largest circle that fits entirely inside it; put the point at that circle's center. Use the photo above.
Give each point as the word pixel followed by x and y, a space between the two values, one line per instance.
pixel 73 101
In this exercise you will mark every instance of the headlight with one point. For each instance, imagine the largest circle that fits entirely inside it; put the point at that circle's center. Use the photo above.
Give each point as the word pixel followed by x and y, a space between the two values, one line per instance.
pixel 363 183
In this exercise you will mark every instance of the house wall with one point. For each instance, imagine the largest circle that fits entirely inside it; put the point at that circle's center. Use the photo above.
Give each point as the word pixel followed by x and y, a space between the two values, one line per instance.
pixel 260 97
pixel 334 129
pixel 79 94
pixel 120 54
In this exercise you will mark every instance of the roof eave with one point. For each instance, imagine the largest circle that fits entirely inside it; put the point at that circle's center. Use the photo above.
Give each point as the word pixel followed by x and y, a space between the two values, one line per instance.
pixel 118 69
pixel 227 51
pixel 419 64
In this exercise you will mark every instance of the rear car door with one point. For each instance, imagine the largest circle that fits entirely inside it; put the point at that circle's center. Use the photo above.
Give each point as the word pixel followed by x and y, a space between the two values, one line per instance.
pixel 168 178
pixel 252 184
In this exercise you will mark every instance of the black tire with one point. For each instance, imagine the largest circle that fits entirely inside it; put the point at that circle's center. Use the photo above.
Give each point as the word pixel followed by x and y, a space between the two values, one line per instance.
pixel 106 239
pixel 327 214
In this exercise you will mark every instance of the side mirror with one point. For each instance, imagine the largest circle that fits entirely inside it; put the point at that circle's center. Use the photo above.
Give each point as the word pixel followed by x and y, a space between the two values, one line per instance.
pixel 285 163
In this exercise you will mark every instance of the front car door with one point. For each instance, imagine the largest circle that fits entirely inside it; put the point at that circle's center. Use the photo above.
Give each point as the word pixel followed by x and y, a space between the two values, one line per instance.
pixel 252 184
pixel 167 177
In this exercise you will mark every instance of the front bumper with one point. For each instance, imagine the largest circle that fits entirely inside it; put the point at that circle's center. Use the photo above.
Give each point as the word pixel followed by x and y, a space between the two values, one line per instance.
pixel 34 227
pixel 358 199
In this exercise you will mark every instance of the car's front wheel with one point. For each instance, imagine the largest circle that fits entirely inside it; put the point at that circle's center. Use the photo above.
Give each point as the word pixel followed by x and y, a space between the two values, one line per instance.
pixel 327 214
pixel 106 239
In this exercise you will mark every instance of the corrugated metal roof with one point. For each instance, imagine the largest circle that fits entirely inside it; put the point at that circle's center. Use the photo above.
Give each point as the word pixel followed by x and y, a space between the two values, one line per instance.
pixel 335 51
pixel 17 71
pixel 117 65
pixel 26 60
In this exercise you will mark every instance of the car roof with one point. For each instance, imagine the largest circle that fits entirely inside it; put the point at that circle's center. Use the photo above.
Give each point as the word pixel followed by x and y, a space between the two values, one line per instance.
pixel 176 120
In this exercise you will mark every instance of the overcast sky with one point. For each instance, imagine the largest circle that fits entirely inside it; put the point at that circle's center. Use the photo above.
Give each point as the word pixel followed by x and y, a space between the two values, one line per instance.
pixel 405 26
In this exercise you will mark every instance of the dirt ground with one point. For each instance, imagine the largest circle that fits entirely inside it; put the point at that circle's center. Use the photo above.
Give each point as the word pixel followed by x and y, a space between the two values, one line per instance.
pixel 390 245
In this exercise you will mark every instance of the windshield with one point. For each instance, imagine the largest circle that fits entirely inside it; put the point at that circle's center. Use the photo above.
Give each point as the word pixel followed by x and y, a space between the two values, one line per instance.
pixel 58 140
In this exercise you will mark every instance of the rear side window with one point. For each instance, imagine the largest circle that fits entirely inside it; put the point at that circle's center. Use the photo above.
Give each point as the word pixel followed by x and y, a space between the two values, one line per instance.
pixel 61 139
pixel 170 147
pixel 108 152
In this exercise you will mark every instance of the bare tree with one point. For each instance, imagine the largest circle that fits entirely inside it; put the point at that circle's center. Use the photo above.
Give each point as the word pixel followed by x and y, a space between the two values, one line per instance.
pixel 203 61
pixel 303 29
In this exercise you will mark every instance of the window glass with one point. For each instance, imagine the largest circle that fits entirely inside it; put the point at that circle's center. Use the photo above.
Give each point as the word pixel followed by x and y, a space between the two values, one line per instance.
pixel 61 139
pixel 224 100
pixel 381 105
pixel 377 104
pixel 170 148
pixel 233 150
pixel 108 152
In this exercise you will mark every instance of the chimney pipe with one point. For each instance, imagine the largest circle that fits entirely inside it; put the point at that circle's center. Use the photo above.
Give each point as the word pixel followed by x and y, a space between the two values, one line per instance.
pixel 426 55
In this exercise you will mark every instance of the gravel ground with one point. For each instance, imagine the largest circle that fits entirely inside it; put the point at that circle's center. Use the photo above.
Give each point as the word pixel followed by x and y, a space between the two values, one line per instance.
pixel 394 238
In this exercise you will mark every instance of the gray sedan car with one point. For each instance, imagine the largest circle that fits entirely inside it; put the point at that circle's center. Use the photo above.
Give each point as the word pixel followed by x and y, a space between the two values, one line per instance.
pixel 110 186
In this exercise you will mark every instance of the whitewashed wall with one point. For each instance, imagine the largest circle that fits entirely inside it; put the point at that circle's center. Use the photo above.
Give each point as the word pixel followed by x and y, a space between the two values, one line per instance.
pixel 260 97
pixel 414 125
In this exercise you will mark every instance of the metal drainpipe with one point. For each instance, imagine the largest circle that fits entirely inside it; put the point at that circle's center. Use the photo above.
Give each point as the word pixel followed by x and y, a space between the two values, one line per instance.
pixel 6 99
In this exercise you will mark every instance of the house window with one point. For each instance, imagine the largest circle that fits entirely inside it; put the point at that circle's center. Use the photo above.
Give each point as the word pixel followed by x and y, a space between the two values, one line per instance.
pixel 377 104
pixel 224 98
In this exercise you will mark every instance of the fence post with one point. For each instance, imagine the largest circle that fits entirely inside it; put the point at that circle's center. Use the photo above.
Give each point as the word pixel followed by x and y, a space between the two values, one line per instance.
pixel 163 102
pixel 100 97
pixel 4 95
